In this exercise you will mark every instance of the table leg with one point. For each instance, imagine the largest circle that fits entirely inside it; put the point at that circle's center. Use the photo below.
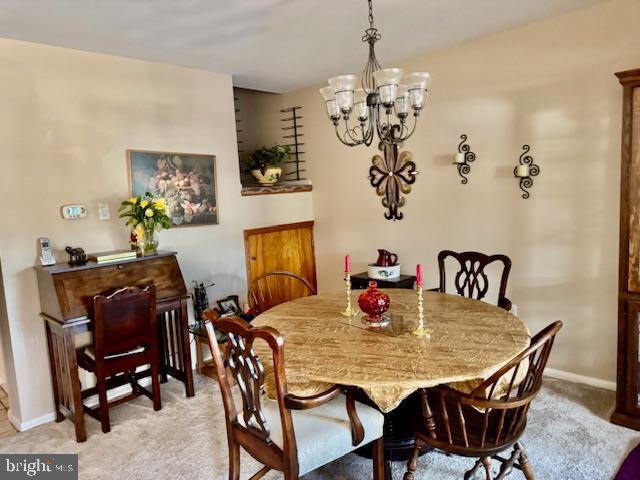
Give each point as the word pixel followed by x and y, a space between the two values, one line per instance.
pixel 199 354
pixel 186 349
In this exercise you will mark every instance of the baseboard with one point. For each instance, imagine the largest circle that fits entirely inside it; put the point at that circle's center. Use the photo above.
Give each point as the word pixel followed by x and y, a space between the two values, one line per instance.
pixel 90 401
pixel 574 377
pixel 34 422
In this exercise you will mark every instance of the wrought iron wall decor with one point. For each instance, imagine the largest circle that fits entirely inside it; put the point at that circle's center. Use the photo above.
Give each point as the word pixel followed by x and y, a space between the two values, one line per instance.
pixel 525 171
pixel 392 177
pixel 464 157
pixel 292 136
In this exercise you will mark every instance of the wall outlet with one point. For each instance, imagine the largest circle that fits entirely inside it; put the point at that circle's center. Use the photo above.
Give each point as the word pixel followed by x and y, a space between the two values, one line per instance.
pixel 103 211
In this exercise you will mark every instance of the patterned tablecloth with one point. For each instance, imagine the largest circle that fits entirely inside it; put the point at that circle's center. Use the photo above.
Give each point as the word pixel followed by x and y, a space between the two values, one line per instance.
pixel 470 341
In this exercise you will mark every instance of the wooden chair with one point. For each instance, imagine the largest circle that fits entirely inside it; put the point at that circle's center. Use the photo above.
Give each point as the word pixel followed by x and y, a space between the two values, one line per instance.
pixel 273 288
pixel 471 281
pixel 290 434
pixel 479 425
pixel 124 337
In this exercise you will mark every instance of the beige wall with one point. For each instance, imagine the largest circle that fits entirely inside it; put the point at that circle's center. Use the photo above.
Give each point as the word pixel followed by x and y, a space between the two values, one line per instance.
pixel 550 85
pixel 67 119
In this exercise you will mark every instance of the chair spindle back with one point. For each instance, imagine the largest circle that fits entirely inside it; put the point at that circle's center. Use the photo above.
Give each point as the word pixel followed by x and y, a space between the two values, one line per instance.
pixel 273 288
pixel 494 414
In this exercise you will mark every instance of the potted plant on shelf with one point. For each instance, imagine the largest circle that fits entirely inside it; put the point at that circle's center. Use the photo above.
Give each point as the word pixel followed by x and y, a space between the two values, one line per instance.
pixel 146 215
pixel 263 163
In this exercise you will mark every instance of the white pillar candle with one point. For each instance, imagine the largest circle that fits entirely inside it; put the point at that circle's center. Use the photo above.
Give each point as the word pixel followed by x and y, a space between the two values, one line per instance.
pixel 458 158
pixel 522 171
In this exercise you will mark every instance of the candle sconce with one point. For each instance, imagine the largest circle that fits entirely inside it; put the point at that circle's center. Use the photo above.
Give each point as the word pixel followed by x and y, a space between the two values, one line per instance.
pixel 525 171
pixel 463 158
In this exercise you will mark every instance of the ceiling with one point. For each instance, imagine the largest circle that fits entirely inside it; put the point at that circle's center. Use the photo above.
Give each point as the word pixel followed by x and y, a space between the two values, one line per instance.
pixel 273 45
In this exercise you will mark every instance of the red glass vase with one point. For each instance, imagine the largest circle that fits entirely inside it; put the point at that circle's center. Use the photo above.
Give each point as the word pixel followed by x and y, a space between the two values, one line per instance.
pixel 374 303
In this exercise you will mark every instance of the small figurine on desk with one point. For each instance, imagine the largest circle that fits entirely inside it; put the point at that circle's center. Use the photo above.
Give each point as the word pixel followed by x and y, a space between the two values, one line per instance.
pixel 77 257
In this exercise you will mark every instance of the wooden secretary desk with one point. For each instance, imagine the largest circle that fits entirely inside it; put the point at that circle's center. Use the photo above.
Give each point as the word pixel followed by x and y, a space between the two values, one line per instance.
pixel 66 295
pixel 627 410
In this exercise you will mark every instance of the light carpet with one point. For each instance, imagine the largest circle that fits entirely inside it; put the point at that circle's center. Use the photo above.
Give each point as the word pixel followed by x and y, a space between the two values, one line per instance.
pixel 568 437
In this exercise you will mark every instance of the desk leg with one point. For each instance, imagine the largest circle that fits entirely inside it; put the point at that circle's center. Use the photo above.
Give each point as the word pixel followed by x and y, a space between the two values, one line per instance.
pixel 74 384
pixel 54 361
pixel 61 343
pixel 186 349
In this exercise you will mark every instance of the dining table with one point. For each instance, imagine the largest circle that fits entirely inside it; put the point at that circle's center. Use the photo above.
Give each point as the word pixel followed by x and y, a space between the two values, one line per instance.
pixel 468 341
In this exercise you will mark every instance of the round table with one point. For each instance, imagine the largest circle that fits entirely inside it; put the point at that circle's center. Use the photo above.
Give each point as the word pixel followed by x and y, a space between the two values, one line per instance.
pixel 469 341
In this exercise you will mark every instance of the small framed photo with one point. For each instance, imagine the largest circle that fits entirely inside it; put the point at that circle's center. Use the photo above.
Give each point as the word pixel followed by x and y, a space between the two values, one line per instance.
pixel 186 181
pixel 229 306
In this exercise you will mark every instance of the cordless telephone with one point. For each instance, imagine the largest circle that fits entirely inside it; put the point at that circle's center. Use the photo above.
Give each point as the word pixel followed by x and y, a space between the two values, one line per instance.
pixel 46 256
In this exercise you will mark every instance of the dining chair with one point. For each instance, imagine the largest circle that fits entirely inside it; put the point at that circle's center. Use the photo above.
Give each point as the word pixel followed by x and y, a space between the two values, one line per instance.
pixel 291 434
pixel 490 419
pixel 273 288
pixel 471 280
pixel 125 337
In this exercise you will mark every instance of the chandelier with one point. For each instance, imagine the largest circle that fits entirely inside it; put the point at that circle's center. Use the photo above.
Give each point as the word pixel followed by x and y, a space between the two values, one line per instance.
pixel 383 103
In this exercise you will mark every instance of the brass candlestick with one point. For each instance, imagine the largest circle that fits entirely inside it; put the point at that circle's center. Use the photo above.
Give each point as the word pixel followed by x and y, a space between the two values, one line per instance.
pixel 349 311
pixel 421 331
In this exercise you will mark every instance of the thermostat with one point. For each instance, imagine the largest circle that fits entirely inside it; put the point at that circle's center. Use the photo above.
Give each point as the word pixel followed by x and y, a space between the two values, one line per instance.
pixel 73 212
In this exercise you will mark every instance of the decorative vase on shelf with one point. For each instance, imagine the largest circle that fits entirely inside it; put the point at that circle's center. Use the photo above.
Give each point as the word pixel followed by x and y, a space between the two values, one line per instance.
pixel 267 176
pixel 374 303
pixel 148 243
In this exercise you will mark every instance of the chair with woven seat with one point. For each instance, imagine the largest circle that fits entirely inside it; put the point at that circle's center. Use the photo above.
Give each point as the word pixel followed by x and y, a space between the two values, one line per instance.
pixel 125 337
pixel 490 419
pixel 291 434
pixel 273 288
pixel 471 280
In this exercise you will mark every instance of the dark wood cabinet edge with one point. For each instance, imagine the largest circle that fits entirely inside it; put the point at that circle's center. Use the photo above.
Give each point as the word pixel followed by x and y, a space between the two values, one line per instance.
pixel 624 420
pixel 626 410
pixel 629 76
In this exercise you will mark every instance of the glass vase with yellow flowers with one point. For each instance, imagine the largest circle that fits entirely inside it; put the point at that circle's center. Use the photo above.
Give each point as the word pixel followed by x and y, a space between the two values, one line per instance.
pixel 146 215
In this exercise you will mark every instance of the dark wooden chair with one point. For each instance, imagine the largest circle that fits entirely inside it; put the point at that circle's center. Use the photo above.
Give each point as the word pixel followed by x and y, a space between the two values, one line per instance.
pixel 471 281
pixel 491 418
pixel 124 337
pixel 273 288
pixel 290 434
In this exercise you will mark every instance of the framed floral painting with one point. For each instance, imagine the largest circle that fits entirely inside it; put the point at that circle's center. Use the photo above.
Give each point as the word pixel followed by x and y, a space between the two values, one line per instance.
pixel 186 181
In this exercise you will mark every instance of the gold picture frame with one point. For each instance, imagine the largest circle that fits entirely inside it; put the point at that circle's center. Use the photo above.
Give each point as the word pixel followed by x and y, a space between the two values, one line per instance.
pixel 187 182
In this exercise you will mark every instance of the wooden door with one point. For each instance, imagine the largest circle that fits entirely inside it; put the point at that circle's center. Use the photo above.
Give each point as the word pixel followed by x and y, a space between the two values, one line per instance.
pixel 281 248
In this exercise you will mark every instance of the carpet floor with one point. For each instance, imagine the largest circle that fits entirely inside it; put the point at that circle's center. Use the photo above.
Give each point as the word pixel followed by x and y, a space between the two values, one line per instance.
pixel 568 437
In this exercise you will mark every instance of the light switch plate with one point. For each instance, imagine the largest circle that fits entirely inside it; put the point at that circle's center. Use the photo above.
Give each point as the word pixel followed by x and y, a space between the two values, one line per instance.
pixel 103 211
pixel 73 212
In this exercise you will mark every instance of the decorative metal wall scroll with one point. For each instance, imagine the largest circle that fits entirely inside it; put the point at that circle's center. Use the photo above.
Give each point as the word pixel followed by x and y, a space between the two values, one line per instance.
pixel 392 177
pixel 463 158
pixel 292 135
pixel 525 171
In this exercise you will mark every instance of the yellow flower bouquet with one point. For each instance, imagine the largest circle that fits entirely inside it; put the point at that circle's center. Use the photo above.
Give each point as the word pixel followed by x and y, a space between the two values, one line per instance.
pixel 146 215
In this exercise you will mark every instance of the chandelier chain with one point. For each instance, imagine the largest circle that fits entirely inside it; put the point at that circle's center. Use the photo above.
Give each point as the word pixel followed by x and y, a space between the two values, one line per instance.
pixel 370 13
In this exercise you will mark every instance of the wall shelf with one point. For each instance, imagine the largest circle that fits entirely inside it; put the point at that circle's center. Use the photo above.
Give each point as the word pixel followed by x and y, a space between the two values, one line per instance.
pixel 248 191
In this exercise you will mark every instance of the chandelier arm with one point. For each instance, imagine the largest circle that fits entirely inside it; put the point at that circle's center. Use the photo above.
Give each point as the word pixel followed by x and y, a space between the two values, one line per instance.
pixel 342 140
pixel 380 131
pixel 410 132
pixel 350 132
